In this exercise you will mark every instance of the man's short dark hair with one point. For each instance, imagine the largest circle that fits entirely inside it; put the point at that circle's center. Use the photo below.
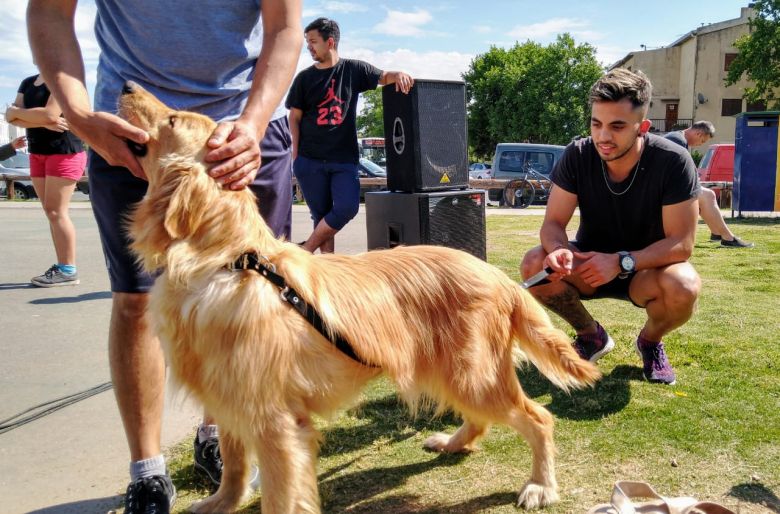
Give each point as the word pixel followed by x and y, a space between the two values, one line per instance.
pixel 619 84
pixel 327 28
pixel 705 127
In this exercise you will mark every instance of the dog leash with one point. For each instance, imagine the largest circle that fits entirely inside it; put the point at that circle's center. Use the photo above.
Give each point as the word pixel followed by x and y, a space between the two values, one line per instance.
pixel 261 265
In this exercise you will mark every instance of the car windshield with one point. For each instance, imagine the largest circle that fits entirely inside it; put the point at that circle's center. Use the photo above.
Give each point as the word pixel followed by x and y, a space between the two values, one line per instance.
pixel 707 156
pixel 18 161
pixel 373 167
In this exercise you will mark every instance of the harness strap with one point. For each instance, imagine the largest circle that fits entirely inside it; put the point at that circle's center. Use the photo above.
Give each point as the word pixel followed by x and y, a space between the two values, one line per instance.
pixel 251 261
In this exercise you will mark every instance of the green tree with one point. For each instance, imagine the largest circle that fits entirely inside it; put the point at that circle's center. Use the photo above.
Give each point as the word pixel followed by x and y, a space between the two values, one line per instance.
pixel 759 55
pixel 370 119
pixel 530 93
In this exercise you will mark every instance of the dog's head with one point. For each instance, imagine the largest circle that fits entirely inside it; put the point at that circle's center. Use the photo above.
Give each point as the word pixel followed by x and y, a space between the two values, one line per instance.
pixel 172 133
pixel 183 203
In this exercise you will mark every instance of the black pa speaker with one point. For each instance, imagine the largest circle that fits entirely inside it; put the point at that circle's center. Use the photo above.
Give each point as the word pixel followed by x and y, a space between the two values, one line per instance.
pixel 425 136
pixel 455 219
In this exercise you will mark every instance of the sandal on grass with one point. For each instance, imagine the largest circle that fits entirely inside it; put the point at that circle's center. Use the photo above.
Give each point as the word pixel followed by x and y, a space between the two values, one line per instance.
pixel 625 491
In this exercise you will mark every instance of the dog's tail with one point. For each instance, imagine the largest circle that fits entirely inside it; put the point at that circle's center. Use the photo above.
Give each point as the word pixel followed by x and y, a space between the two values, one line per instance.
pixel 547 347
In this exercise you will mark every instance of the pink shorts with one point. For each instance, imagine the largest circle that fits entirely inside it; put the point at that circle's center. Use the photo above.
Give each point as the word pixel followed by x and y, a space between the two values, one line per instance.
pixel 69 165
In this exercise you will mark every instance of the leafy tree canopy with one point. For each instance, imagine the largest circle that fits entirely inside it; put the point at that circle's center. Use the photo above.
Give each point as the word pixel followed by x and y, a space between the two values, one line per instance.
pixel 759 55
pixel 530 93
pixel 370 119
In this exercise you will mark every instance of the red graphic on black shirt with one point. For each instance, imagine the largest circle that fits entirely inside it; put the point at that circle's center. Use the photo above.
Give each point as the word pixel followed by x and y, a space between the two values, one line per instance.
pixel 329 112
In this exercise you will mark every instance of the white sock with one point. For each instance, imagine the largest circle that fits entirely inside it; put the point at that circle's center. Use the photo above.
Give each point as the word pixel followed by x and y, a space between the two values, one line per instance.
pixel 207 432
pixel 147 467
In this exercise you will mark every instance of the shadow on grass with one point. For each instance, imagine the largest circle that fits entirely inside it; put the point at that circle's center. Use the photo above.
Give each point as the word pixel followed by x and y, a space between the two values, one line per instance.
pixel 610 394
pixel 756 493
pixel 387 417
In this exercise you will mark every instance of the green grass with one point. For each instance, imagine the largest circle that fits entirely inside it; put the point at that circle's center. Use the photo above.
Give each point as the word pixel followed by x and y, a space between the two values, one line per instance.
pixel 715 435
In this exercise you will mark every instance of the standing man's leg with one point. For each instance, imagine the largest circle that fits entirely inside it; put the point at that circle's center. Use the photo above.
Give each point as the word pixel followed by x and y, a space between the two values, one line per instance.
pixel 345 192
pixel 314 180
pixel 135 357
pixel 273 189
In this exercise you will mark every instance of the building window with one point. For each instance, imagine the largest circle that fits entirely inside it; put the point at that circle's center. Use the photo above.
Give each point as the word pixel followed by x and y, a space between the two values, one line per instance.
pixel 731 106
pixel 759 105
pixel 727 61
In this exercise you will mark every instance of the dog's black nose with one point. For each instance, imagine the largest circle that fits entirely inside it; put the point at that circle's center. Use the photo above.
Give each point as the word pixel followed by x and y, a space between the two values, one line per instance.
pixel 129 87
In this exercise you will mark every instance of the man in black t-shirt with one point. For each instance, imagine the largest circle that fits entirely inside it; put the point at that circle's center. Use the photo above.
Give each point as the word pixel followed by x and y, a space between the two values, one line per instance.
pixel 322 102
pixel 638 211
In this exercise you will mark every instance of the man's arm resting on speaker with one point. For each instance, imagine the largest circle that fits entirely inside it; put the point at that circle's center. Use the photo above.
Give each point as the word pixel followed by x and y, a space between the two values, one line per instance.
pixel 295 129
pixel 403 81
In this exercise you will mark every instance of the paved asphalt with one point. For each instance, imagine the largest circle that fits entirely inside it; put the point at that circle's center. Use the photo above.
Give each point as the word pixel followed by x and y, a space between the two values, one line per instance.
pixel 53 345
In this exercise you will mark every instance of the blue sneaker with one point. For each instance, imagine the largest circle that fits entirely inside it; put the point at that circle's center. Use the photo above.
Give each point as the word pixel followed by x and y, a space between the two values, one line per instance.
pixel 655 363
pixel 592 347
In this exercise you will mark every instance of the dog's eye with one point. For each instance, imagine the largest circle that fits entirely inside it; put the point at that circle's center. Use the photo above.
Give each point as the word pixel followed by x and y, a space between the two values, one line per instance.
pixel 172 120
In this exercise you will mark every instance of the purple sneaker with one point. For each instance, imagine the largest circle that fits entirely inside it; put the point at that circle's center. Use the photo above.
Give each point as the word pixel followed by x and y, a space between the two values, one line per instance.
pixel 655 363
pixel 592 347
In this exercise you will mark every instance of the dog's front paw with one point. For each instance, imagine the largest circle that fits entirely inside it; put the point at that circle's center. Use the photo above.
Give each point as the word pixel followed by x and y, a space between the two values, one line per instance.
pixel 533 496
pixel 215 504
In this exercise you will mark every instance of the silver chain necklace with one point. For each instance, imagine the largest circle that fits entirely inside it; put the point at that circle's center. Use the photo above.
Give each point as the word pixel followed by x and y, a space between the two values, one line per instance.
pixel 636 172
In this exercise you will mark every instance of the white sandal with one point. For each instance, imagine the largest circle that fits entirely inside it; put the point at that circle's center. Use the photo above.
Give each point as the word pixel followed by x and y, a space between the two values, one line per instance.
pixel 625 491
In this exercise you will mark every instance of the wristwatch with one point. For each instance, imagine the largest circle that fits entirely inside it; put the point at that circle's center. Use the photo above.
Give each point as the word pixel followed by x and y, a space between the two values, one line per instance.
pixel 627 264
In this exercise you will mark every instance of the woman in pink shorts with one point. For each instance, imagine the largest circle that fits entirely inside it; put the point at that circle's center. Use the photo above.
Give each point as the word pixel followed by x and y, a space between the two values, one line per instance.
pixel 57 162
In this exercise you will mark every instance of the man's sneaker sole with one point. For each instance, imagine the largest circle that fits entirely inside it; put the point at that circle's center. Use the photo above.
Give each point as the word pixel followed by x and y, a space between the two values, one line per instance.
pixel 639 353
pixel 55 284
pixel 608 347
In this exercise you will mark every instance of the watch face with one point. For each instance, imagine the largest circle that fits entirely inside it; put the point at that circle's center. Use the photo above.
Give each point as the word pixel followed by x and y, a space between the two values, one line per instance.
pixel 627 263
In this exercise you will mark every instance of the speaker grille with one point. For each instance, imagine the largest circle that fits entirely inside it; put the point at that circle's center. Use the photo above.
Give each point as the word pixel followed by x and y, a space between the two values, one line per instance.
pixel 458 222
pixel 425 137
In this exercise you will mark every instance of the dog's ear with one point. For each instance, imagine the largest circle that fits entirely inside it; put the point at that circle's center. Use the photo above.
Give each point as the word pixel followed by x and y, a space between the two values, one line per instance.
pixel 190 198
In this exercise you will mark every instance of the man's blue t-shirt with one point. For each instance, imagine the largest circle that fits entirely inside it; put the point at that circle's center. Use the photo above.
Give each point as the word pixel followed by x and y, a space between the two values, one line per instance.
pixel 196 56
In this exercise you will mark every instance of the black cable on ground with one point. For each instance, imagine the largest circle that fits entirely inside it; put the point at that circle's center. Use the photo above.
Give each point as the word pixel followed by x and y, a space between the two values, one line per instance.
pixel 46 408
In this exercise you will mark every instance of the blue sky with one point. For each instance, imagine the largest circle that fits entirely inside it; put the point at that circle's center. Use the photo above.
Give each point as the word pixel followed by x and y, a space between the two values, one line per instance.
pixel 437 39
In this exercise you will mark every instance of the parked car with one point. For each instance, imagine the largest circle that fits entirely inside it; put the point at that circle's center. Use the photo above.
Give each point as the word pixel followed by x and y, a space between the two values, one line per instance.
pixel 19 166
pixel 480 170
pixel 370 169
pixel 512 160
pixel 717 165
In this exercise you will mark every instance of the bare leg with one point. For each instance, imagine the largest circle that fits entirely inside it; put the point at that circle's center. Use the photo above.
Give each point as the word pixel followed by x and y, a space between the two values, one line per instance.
pixel 56 203
pixel 710 213
pixel 138 373
pixel 562 297
pixel 669 295
pixel 323 238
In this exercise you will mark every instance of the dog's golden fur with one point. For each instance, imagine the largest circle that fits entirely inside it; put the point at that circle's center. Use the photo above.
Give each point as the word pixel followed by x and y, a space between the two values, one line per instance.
pixel 441 324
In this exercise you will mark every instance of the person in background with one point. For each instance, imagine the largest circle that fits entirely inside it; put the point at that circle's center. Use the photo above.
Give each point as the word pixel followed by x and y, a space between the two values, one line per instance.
pixel 695 135
pixel 233 66
pixel 636 193
pixel 323 103
pixel 57 162
pixel 9 149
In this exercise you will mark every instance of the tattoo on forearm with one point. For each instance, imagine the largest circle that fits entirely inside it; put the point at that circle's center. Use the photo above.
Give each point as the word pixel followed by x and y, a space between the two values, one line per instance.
pixel 568 306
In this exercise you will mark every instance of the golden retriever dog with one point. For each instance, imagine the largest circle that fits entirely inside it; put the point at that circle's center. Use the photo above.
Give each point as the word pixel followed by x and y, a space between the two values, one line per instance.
pixel 440 323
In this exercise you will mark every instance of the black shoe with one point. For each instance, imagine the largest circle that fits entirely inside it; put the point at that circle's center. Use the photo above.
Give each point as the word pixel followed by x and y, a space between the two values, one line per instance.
pixel 207 458
pixel 736 243
pixel 715 237
pixel 209 461
pixel 152 495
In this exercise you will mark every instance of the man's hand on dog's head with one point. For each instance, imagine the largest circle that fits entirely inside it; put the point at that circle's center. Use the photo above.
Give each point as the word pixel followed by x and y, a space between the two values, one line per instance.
pixel 108 135
pixel 236 147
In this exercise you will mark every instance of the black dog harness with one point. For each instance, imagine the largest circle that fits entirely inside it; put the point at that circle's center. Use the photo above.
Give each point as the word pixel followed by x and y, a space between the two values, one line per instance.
pixel 260 264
